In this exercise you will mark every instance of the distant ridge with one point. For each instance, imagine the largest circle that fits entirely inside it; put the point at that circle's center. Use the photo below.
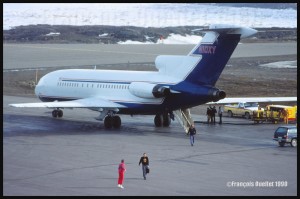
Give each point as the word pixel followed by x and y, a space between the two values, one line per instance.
pixel 113 34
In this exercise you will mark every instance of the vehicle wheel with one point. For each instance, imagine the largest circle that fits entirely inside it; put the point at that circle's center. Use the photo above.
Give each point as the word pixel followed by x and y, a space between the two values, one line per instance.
pixel 116 121
pixel 230 114
pixel 247 115
pixel 158 120
pixel 108 121
pixel 294 142
pixel 281 144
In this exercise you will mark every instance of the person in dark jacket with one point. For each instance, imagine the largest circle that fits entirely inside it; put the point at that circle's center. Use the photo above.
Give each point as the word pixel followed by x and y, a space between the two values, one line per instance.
pixel 145 164
pixel 213 113
pixel 192 132
pixel 208 113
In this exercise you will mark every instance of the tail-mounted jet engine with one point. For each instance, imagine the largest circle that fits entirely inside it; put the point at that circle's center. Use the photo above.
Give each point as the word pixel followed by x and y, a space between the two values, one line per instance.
pixel 216 94
pixel 146 90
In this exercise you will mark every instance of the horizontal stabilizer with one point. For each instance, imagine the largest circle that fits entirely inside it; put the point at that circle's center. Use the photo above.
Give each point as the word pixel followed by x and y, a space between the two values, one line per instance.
pixel 229 29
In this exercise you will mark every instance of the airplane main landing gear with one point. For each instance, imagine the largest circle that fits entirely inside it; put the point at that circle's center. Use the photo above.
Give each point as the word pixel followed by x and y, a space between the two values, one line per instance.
pixel 162 120
pixel 112 121
pixel 57 113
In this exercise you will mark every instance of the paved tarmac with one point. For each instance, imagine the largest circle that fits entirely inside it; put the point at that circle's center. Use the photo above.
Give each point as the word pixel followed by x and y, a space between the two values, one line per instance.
pixel 76 156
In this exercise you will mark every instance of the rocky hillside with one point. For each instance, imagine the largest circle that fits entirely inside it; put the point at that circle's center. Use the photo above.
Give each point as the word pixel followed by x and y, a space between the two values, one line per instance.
pixel 114 34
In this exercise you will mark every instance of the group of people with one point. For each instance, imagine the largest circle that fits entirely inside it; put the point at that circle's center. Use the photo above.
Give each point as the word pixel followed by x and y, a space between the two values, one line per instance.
pixel 144 160
pixel 211 114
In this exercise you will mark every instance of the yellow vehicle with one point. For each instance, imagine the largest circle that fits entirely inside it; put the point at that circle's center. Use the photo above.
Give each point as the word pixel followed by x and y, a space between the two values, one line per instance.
pixel 242 109
pixel 275 114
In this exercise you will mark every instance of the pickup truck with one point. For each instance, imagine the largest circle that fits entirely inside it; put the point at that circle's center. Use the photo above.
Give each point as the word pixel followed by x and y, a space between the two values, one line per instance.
pixel 242 109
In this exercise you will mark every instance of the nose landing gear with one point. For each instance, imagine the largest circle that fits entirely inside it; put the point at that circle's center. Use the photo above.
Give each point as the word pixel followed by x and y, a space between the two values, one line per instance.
pixel 57 113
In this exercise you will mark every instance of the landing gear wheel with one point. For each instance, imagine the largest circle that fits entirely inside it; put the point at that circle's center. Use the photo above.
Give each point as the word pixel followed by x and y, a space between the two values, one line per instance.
pixel 166 120
pixel 112 121
pixel 60 113
pixel 54 113
pixel 108 121
pixel 57 113
pixel 116 121
pixel 158 120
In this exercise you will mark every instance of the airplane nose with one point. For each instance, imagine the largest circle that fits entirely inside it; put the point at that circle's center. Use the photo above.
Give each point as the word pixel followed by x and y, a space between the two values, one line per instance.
pixel 37 89
pixel 40 87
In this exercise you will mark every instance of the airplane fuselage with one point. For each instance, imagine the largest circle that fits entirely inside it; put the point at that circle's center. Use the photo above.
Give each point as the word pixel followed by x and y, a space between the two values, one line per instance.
pixel 181 82
pixel 114 85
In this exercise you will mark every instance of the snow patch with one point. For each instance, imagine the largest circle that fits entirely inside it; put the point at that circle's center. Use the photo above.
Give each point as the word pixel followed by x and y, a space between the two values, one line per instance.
pixel 281 64
pixel 53 34
pixel 172 39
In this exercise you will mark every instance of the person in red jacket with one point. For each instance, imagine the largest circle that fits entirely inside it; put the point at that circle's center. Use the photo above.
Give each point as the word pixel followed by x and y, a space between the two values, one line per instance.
pixel 122 170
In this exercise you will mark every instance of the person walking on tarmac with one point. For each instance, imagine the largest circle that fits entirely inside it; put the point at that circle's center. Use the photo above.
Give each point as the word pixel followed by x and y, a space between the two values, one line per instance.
pixel 145 164
pixel 121 170
pixel 192 132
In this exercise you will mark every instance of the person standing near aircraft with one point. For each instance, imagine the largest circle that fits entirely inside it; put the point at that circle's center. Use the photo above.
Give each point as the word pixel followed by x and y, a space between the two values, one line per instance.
pixel 208 113
pixel 121 170
pixel 192 132
pixel 145 164
pixel 220 112
pixel 214 111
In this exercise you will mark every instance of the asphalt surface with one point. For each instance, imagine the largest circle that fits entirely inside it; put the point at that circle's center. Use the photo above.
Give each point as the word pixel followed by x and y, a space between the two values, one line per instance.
pixel 75 155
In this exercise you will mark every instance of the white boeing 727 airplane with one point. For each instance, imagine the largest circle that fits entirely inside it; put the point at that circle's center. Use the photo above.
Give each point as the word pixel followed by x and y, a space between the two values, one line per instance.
pixel 180 83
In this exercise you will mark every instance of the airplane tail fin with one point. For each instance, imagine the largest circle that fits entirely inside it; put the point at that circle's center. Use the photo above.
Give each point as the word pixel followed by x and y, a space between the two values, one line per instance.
pixel 214 51
pixel 206 61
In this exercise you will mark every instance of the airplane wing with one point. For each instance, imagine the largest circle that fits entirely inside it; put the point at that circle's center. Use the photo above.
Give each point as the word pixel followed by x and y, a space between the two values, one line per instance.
pixel 81 103
pixel 255 99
